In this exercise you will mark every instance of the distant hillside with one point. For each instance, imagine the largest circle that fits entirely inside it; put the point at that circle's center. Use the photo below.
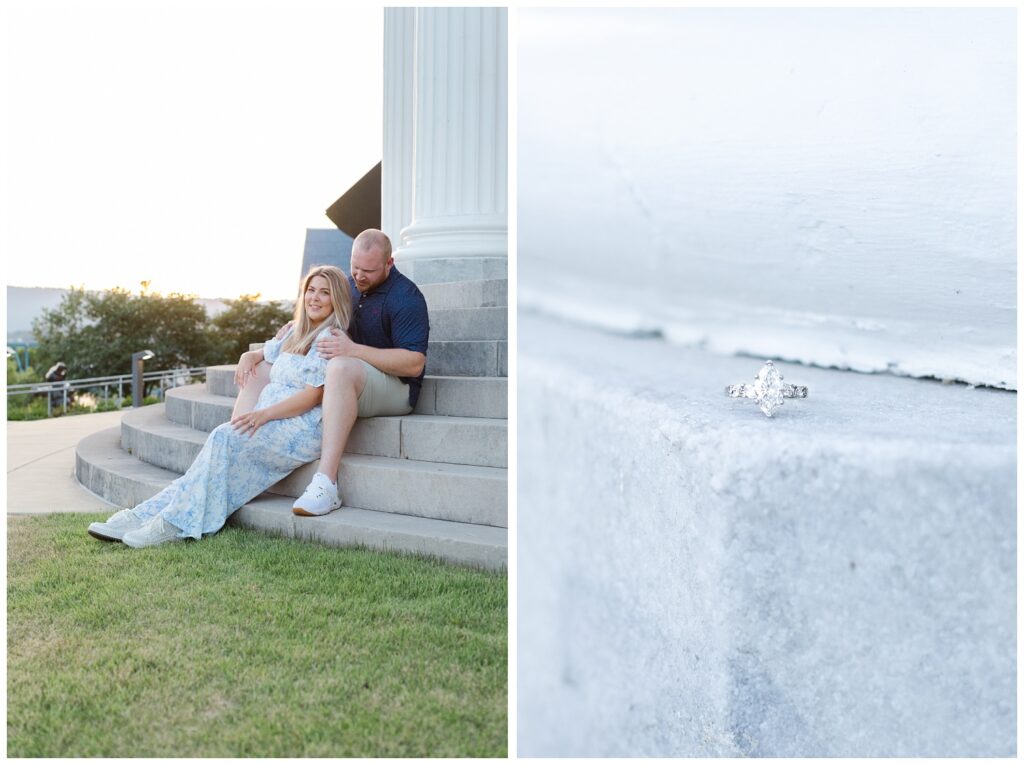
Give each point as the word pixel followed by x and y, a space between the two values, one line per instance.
pixel 26 303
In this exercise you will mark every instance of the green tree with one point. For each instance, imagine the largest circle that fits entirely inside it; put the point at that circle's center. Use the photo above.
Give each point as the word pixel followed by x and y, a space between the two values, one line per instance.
pixel 57 330
pixel 96 333
pixel 245 321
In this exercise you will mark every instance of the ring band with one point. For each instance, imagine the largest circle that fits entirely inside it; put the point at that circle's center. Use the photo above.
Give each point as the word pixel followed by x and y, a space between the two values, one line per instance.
pixel 746 390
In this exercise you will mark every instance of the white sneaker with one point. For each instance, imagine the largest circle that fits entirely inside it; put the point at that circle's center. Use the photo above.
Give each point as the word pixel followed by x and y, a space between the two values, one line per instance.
pixel 319 498
pixel 155 532
pixel 114 528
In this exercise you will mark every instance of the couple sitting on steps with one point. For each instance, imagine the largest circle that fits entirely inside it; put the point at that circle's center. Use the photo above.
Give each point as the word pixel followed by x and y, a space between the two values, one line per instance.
pixel 356 348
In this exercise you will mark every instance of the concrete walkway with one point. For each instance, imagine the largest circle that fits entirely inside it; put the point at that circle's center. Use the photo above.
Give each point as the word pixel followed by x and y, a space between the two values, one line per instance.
pixel 41 465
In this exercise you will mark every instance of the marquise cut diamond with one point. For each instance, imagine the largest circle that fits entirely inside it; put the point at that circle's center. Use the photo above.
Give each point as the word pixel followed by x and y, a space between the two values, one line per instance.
pixel 768 388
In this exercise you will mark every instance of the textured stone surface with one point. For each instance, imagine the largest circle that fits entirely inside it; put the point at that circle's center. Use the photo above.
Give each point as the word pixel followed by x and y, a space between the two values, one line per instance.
pixel 698 579
pixel 196 407
pixel 464 396
pixel 105 469
pixel 459 440
pixel 462 493
pixel 481 546
pixel 435 270
pixel 220 380
pixel 151 437
pixel 469 324
pixel 463 358
pixel 456 440
pixel 377 436
pixel 445 358
pixel 475 294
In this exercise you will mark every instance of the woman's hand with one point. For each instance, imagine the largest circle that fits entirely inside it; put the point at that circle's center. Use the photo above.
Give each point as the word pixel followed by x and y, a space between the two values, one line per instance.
pixel 250 422
pixel 246 367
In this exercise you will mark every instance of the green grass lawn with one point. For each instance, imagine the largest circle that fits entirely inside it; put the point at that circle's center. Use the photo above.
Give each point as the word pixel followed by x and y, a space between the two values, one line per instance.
pixel 247 645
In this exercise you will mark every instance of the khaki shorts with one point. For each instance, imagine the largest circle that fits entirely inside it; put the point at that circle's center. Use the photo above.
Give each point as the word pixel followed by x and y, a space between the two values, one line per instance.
pixel 383 395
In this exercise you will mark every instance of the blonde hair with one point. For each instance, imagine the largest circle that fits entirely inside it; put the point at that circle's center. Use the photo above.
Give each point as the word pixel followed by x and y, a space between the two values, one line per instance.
pixel 304 331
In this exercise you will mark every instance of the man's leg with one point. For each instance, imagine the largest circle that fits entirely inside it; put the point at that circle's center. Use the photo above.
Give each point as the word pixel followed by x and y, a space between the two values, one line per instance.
pixel 250 392
pixel 345 380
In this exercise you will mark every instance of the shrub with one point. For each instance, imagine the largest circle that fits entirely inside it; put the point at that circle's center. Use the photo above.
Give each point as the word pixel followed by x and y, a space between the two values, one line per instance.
pixel 111 404
pixel 26 407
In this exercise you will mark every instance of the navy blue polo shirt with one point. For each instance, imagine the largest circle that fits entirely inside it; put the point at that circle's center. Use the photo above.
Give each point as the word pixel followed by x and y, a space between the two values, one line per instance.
pixel 392 315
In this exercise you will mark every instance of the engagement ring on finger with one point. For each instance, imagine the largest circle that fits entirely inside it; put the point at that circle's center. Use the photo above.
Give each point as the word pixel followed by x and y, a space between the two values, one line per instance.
pixel 768 389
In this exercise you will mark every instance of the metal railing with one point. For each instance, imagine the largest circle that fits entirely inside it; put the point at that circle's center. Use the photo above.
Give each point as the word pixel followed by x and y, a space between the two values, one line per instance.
pixel 170 378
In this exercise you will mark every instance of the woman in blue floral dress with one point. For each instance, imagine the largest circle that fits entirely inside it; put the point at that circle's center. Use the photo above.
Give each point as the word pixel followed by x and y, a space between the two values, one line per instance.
pixel 256 449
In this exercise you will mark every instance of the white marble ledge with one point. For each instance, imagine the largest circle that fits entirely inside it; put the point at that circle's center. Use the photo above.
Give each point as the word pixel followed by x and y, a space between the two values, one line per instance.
pixel 683 390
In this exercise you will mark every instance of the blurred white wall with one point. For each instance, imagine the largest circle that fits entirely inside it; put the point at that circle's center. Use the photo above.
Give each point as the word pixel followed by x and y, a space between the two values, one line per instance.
pixel 831 186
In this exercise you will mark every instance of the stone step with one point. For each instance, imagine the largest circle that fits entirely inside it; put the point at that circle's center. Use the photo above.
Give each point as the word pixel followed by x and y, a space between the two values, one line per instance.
pixel 107 470
pixel 464 543
pixel 482 293
pixel 196 407
pixel 459 269
pixel 457 440
pixel 467 358
pixel 469 324
pixel 463 493
pixel 104 468
pixel 220 380
pixel 464 396
pixel 149 436
pixel 441 394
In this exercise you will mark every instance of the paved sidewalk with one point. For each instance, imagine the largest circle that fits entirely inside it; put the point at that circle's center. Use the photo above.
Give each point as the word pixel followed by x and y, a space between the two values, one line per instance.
pixel 41 464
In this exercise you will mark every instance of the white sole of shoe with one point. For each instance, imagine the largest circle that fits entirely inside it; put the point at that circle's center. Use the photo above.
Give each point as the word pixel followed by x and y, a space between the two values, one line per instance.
pixel 307 513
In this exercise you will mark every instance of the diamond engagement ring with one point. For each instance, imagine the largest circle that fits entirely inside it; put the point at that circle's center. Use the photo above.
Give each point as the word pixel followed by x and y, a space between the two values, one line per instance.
pixel 768 389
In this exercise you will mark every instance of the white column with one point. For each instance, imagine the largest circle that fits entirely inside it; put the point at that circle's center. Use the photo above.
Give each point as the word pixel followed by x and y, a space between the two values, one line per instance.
pixel 459 169
pixel 399 99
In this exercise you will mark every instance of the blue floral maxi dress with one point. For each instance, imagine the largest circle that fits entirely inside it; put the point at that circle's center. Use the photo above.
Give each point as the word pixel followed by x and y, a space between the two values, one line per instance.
pixel 234 467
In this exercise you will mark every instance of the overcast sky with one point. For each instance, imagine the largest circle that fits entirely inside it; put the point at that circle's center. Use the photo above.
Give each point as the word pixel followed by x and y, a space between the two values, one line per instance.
pixel 188 144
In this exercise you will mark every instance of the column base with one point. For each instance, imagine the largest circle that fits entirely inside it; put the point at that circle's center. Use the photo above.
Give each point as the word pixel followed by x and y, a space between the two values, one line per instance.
pixel 456 236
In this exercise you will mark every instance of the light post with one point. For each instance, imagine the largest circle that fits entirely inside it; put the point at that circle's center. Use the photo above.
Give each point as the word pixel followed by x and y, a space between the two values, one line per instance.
pixel 137 358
